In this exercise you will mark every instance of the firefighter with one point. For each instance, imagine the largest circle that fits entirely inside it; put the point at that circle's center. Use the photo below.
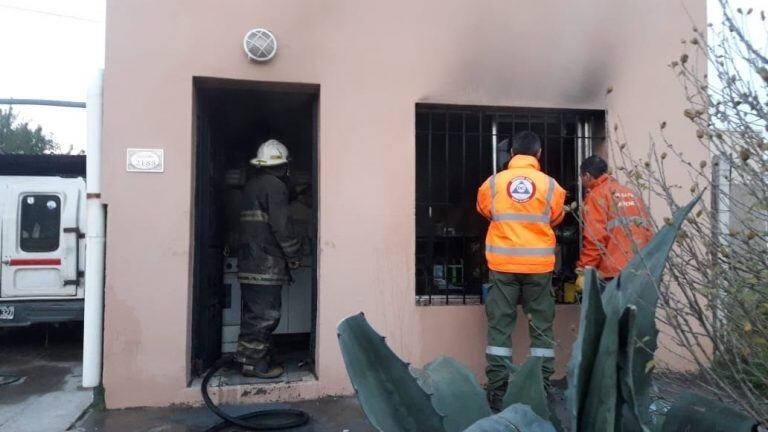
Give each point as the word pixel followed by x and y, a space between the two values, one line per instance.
pixel 523 205
pixel 269 247
pixel 616 222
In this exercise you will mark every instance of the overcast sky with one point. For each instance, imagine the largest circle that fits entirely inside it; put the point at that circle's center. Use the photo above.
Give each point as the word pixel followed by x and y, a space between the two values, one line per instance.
pixel 49 49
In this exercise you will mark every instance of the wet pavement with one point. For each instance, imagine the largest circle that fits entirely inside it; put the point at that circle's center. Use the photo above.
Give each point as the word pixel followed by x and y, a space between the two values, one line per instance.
pixel 45 362
pixel 46 397
pixel 326 415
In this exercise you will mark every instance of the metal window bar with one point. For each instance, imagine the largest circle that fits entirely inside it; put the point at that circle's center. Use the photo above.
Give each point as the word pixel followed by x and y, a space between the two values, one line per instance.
pixel 455 244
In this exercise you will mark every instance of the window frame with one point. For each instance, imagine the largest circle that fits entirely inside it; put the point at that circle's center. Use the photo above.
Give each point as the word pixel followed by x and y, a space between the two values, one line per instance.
pixel 42 197
pixel 425 290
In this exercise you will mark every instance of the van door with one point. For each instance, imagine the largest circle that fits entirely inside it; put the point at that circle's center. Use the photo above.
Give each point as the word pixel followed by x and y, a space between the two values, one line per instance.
pixel 41 237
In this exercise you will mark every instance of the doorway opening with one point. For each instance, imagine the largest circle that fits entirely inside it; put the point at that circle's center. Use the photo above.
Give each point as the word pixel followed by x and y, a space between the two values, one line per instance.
pixel 232 119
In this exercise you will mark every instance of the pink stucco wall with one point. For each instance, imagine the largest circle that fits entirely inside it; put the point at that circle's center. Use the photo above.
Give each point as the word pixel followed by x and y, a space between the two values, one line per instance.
pixel 373 61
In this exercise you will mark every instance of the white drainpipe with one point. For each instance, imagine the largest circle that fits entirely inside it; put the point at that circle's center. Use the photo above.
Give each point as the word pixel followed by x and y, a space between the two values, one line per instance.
pixel 94 242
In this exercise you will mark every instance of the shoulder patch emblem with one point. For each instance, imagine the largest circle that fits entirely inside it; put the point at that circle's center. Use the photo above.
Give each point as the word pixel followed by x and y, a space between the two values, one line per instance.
pixel 521 189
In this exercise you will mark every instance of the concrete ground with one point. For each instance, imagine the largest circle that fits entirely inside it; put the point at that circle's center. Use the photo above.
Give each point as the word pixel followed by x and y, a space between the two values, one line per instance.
pixel 46 397
pixel 327 415
pixel 46 361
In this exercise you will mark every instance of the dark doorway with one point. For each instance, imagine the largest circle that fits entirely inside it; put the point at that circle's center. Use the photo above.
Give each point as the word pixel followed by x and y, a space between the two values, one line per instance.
pixel 232 119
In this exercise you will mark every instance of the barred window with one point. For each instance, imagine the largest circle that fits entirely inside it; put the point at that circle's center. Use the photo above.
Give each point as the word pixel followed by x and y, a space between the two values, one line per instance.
pixel 454 156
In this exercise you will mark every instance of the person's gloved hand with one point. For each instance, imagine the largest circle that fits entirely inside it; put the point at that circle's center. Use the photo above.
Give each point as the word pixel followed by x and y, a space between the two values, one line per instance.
pixel 579 280
pixel 294 263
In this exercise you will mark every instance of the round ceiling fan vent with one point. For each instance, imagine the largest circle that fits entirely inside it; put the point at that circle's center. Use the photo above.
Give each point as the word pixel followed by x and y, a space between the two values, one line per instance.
pixel 260 45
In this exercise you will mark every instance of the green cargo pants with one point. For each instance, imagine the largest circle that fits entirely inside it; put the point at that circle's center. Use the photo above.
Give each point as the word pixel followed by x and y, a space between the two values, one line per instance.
pixel 501 311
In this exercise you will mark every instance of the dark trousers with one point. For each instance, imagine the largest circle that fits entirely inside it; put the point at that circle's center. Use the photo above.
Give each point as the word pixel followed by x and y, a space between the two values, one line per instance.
pixel 501 311
pixel 260 317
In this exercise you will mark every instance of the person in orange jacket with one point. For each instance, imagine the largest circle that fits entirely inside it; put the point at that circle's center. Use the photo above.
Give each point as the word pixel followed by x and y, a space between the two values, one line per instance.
pixel 615 219
pixel 523 205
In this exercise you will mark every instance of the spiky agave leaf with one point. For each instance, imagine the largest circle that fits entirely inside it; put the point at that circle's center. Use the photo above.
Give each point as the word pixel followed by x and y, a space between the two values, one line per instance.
pixel 390 396
pixel 527 388
pixel 630 422
pixel 636 286
pixel 585 348
pixel 455 393
pixel 516 418
pixel 599 407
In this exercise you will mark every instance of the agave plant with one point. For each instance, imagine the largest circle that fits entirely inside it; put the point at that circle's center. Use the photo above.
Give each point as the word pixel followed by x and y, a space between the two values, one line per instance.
pixel 610 370
pixel 517 418
pixel 444 396
pixel 609 374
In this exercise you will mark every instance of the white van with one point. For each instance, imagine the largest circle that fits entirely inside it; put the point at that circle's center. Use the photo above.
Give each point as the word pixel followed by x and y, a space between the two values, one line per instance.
pixel 42 247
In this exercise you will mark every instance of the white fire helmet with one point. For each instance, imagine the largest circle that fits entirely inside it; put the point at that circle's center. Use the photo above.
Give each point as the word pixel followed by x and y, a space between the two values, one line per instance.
pixel 271 153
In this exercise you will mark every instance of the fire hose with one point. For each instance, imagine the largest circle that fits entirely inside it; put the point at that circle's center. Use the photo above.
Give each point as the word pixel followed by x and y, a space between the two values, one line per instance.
pixel 264 419
pixel 8 379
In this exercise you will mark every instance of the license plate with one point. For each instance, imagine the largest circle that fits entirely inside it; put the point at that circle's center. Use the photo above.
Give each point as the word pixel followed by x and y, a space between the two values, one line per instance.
pixel 7 312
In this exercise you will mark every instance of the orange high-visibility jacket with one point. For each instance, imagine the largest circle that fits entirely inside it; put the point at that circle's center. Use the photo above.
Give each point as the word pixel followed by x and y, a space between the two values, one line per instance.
pixel 616 224
pixel 523 204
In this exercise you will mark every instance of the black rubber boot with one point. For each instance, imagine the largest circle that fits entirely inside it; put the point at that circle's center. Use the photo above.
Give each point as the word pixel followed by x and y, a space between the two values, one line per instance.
pixel 263 370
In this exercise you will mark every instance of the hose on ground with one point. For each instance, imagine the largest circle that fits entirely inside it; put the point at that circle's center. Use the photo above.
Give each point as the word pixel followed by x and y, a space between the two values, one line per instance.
pixel 266 419
pixel 9 379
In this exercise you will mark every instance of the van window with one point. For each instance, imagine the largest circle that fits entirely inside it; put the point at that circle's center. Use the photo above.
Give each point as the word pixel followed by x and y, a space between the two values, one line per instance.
pixel 40 223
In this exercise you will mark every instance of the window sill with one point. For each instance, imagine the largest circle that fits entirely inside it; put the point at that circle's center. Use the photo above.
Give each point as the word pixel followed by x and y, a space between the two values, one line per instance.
pixel 449 300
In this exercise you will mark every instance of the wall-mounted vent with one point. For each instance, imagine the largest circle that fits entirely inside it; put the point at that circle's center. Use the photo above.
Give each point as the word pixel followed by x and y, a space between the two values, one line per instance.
pixel 260 45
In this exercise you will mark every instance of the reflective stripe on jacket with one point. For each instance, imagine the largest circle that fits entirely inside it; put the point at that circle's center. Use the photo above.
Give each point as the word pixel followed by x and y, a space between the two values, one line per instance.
pixel 616 224
pixel 267 235
pixel 523 204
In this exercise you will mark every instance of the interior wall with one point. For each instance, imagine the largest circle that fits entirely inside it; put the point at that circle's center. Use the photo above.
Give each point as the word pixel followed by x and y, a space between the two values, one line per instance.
pixel 550 53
